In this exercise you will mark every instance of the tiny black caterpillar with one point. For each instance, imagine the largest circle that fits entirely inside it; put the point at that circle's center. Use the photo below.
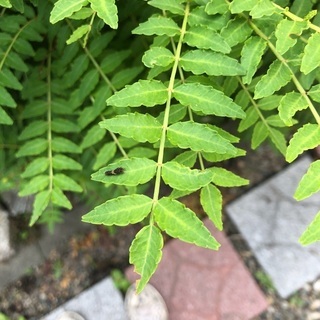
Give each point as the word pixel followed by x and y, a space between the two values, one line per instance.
pixel 114 172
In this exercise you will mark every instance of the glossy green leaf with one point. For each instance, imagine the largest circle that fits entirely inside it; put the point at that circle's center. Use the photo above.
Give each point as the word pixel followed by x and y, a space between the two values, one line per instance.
pixel 202 37
pixel 211 63
pixel 182 223
pixel 35 167
pixel 158 25
pixel 311 56
pixel 33 147
pixel 224 178
pixel 263 8
pixel 62 162
pixel 211 201
pixel 6 98
pixel 260 133
pixel 216 6
pixel 236 31
pixel 278 75
pixel 60 144
pixel 275 121
pixel 107 11
pixel 312 233
pixel 289 105
pixel 106 153
pixel 40 204
pixel 35 185
pixel 251 56
pixel 59 198
pixel 180 177
pixel 314 93
pixel 215 157
pixel 198 137
pixel 9 80
pixel 64 182
pixel 79 33
pixel 4 118
pixel 306 138
pixel 34 129
pixel 173 6
pixel 135 171
pixel 65 8
pixel 187 158
pixel 310 182
pixel 207 100
pixel 145 92
pixel 140 127
pixel 5 3
pixel 287 33
pixel 238 6
pixel 120 211
pixel 93 136
pixel 145 253
pixel 269 103
pixel 157 56
pixel 251 118
pixel 82 14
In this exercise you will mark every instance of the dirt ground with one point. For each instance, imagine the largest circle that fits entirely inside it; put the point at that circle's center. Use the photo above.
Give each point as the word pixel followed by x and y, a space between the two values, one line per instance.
pixel 87 258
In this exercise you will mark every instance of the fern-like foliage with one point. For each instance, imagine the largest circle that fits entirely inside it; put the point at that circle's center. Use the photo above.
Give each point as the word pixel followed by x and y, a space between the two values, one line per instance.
pixel 69 83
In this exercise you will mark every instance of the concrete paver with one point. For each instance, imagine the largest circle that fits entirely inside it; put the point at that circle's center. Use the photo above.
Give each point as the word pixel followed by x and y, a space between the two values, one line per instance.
pixel 100 302
pixel 271 222
pixel 200 284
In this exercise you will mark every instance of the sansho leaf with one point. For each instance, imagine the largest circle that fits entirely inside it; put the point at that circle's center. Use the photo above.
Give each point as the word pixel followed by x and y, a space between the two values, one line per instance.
pixel 107 11
pixel 65 8
pixel 312 233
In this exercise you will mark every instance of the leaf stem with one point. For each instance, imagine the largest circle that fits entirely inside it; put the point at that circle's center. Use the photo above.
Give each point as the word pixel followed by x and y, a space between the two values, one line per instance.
pixel 49 119
pixel 167 108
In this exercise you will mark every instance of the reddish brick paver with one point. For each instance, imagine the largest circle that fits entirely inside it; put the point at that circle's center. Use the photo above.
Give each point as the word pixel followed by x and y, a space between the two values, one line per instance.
pixel 200 284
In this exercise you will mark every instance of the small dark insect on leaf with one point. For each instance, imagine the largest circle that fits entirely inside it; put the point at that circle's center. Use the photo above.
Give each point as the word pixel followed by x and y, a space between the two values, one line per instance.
pixel 114 172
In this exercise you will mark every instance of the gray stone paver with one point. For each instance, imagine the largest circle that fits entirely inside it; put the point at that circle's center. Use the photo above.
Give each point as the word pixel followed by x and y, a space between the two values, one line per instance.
pixel 100 302
pixel 271 221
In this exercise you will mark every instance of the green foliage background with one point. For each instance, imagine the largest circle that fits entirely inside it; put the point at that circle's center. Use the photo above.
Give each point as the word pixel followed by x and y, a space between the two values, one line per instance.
pixel 92 86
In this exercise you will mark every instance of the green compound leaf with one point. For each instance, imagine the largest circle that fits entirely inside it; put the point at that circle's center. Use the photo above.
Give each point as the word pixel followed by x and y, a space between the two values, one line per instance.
pixel 64 126
pixel 278 75
pixel 251 56
pixel 120 211
pixel 289 105
pixel 65 8
pixel 5 3
pixel 211 63
pixel 159 26
pixel 287 33
pixel 157 56
pixel 187 158
pixel 93 136
pixel 263 8
pixel 9 80
pixel 207 100
pixel 312 233
pixel 224 178
pixel 35 167
pixel 107 11
pixel 174 6
pixel 60 144
pixel 140 127
pixel 145 92
pixel 6 98
pixel 310 182
pixel 59 198
pixel 278 139
pixel 40 204
pixel 202 37
pixel 35 185
pixel 33 147
pixel 66 183
pixel 238 6
pixel 260 133
pixel 34 129
pixel 251 118
pixel 311 57
pixel 306 138
pixel 211 201
pixel 198 137
pixel 105 154
pixel 216 6
pixel 182 223
pixel 180 177
pixel 145 253
pixel 135 171
pixel 62 162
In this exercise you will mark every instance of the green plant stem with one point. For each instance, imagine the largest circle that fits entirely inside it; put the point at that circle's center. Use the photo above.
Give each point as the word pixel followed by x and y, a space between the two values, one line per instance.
pixel 293 76
pixel 85 40
pixel 49 119
pixel 167 109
